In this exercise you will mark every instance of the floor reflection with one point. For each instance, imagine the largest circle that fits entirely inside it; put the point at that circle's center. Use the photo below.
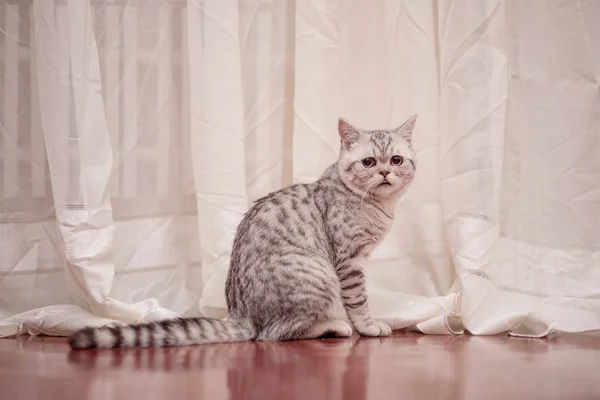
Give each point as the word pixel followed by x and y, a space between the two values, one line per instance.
pixel 254 370
pixel 408 366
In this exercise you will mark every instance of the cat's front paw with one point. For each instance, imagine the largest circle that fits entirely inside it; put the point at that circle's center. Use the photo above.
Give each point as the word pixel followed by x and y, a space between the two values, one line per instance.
pixel 375 328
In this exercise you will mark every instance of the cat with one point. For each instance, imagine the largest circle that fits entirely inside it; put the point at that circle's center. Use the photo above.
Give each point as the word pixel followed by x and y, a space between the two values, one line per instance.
pixel 296 252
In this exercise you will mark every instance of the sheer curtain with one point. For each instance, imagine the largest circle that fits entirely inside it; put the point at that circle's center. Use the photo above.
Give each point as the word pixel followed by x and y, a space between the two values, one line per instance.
pixel 135 134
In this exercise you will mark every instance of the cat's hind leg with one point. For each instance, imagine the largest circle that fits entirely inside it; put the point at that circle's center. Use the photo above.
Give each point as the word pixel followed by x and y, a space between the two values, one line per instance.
pixel 305 293
pixel 329 328
pixel 305 319
pixel 290 328
pixel 304 328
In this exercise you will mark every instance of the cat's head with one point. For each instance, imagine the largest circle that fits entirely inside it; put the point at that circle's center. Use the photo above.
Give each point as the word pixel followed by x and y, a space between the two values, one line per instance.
pixel 378 163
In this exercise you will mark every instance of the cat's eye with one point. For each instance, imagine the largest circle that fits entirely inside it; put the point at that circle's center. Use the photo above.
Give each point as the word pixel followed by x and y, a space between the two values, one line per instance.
pixel 397 160
pixel 368 162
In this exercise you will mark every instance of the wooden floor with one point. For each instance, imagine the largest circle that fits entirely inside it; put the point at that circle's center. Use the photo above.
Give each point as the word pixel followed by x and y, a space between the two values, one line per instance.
pixel 405 366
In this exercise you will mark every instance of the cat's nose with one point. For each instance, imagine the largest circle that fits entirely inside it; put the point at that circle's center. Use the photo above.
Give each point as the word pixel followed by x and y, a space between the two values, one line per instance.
pixel 384 173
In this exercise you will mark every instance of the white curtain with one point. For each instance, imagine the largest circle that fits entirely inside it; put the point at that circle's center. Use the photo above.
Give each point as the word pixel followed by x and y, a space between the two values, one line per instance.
pixel 135 134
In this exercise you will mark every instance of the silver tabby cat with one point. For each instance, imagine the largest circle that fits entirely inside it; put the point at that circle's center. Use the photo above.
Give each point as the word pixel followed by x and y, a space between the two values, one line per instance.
pixel 297 252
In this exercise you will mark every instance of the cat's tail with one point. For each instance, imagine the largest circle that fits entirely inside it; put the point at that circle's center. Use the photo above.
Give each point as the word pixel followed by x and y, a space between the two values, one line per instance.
pixel 173 332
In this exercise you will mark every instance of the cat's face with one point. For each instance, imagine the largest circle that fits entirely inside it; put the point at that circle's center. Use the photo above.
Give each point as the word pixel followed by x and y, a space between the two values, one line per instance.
pixel 377 163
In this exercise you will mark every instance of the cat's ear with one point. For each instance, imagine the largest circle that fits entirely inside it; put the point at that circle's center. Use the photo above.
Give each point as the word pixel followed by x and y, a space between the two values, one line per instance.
pixel 405 131
pixel 349 134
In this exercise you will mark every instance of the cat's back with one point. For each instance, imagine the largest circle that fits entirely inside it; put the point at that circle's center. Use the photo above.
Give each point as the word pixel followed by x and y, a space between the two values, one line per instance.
pixel 284 217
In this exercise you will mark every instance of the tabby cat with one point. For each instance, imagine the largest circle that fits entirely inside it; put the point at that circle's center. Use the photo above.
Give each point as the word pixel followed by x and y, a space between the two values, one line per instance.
pixel 296 252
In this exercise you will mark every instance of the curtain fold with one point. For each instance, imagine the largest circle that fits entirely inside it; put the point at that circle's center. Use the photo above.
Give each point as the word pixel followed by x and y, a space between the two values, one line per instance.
pixel 217 137
pixel 135 134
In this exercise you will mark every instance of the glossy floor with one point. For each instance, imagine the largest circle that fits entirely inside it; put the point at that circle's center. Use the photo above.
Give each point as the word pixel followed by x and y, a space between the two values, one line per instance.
pixel 405 366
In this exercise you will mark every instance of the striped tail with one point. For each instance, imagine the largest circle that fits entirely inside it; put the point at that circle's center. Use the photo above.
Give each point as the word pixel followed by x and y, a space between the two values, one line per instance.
pixel 174 332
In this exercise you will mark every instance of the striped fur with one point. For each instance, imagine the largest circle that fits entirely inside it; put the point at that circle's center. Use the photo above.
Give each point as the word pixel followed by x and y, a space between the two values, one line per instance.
pixel 297 252
pixel 175 332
